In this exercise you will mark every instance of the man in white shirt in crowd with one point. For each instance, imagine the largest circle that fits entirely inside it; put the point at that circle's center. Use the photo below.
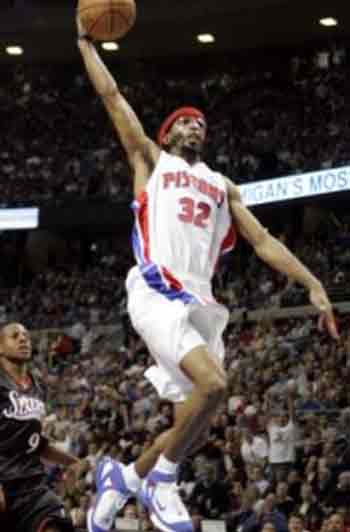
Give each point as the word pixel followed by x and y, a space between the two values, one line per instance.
pixel 254 449
pixel 281 430
pixel 259 480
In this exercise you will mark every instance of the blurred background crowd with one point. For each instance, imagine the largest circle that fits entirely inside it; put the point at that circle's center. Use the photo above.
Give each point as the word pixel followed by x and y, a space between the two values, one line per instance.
pixel 270 117
pixel 278 455
pixel 83 278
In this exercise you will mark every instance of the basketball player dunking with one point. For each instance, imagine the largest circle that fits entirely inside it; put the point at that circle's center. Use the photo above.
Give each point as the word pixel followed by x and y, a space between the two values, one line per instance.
pixel 186 215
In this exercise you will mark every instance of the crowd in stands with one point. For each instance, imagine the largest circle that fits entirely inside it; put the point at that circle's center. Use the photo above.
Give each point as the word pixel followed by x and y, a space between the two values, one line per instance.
pixel 278 453
pixel 80 282
pixel 58 297
pixel 266 118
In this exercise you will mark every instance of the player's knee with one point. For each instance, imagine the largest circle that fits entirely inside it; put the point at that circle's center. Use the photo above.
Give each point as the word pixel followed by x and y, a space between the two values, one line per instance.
pixel 214 388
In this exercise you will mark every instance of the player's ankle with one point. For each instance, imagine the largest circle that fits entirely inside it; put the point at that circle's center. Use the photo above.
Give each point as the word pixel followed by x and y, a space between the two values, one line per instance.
pixel 132 479
pixel 166 466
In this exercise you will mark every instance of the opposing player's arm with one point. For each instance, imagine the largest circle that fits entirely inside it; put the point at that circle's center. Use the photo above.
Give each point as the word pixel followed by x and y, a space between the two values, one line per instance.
pixel 142 152
pixel 276 255
pixel 50 453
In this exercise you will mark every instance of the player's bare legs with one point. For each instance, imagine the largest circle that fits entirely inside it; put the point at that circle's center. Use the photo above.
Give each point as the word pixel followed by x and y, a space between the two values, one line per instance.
pixel 158 491
pixel 192 418
pixel 145 463
pixel 209 386
pixel 148 459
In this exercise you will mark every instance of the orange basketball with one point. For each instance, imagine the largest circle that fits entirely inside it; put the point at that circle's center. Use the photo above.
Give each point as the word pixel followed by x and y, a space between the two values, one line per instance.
pixel 107 20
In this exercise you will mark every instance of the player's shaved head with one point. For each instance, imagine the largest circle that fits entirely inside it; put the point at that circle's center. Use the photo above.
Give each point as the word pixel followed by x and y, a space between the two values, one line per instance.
pixel 9 327
pixel 15 342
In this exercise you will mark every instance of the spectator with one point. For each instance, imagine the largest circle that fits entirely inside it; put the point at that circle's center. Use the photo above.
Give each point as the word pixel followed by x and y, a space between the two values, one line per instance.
pixel 209 495
pixel 296 523
pixel 282 438
pixel 254 449
pixel 259 480
pixel 309 505
pixel 336 523
pixel 339 496
pixel 266 514
pixel 284 503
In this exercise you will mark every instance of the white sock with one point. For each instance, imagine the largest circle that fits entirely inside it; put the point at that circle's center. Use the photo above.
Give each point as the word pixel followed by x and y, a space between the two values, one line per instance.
pixel 165 466
pixel 132 480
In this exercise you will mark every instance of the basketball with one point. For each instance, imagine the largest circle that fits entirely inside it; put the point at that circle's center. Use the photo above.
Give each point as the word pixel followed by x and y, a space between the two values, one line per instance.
pixel 107 20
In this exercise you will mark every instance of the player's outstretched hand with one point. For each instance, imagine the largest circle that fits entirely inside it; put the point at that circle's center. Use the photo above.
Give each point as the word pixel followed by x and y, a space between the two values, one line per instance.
pixel 326 322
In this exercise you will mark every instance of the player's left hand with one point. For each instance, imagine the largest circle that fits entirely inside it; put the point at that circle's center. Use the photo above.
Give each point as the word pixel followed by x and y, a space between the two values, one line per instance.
pixel 326 322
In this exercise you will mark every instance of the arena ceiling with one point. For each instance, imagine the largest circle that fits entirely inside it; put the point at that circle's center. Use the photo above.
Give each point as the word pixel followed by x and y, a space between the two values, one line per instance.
pixel 45 28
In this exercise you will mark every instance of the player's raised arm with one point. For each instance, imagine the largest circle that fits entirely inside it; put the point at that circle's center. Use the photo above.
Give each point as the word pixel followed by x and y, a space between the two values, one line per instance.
pixel 139 147
pixel 276 255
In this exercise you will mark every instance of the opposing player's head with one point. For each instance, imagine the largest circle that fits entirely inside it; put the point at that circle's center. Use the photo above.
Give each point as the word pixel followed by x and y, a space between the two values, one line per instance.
pixel 15 343
pixel 184 132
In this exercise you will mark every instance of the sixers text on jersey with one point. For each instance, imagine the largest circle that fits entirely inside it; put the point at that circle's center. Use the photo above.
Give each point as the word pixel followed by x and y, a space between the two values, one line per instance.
pixel 21 411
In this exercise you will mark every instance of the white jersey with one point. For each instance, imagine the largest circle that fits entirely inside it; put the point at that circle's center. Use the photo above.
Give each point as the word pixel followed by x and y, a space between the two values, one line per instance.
pixel 183 225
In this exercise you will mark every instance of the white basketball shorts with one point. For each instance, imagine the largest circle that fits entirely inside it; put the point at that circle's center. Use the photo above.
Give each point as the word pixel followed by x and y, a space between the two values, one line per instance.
pixel 171 328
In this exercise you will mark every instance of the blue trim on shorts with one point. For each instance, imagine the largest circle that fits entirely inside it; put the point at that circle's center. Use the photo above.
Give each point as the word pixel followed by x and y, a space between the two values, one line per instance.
pixel 154 280
pixel 153 277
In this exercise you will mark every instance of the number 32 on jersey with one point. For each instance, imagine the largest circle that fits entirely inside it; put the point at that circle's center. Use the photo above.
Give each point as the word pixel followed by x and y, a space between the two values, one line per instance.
pixel 194 213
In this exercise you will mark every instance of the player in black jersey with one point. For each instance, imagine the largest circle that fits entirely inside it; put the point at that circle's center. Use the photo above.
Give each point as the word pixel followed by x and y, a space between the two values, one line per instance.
pixel 26 502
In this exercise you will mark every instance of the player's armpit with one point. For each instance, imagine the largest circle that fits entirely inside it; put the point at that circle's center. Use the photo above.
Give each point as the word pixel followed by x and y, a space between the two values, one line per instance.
pixel 247 225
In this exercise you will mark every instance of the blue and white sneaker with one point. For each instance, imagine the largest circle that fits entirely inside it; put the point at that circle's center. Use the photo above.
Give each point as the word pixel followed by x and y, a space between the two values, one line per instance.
pixel 112 495
pixel 159 494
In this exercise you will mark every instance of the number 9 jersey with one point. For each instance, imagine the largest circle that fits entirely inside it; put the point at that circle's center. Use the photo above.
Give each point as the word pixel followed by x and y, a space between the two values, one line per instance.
pixel 21 441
